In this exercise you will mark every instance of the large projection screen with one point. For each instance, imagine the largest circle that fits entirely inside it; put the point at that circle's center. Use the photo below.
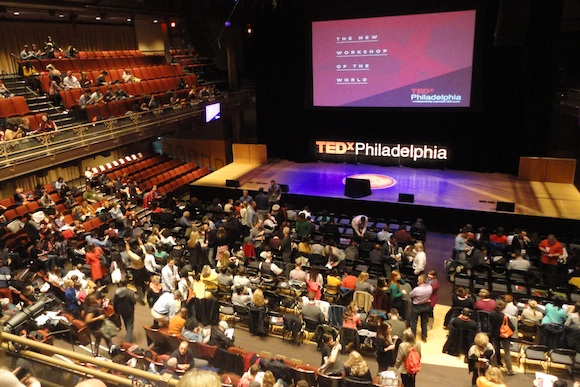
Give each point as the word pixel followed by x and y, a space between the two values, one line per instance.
pixel 409 61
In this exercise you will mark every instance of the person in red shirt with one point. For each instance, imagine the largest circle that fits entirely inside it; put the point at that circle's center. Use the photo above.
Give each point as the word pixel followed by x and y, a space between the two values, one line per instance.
pixel 349 281
pixel 551 251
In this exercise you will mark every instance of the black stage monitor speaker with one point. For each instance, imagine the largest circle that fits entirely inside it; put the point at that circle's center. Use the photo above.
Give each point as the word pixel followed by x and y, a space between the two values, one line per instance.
pixel 406 198
pixel 505 207
pixel 284 188
pixel 357 188
pixel 232 183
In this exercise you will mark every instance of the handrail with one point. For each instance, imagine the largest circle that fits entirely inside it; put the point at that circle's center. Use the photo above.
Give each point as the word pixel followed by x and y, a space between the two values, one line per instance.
pixel 4 336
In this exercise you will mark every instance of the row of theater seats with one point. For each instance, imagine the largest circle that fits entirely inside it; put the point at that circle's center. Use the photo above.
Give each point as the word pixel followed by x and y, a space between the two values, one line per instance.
pixel 121 107
pixel 110 54
pixel 116 74
pixel 65 64
pixel 133 160
pixel 174 181
pixel 138 175
pixel 118 170
pixel 13 107
pixel 71 97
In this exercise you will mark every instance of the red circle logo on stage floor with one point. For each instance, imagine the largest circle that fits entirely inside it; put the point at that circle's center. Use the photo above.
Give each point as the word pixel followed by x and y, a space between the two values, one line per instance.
pixel 377 181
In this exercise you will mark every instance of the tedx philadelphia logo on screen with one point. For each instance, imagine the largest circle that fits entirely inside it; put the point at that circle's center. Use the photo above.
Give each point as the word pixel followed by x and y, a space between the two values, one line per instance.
pixel 431 96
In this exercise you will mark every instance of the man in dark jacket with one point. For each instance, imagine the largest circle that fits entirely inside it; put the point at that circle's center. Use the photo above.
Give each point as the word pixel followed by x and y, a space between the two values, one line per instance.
pixel 124 304
pixel 218 336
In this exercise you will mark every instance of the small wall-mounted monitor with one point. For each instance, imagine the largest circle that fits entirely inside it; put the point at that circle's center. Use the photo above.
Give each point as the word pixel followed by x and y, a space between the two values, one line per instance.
pixel 212 112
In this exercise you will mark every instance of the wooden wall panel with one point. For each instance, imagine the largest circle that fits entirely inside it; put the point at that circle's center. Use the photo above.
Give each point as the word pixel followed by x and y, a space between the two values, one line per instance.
pixel 546 169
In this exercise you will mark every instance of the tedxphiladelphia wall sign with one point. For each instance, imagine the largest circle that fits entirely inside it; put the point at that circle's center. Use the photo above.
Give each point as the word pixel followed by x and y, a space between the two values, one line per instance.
pixel 414 152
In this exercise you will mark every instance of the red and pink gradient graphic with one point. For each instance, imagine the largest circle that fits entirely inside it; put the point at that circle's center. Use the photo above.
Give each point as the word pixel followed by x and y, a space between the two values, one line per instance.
pixel 377 181
pixel 383 61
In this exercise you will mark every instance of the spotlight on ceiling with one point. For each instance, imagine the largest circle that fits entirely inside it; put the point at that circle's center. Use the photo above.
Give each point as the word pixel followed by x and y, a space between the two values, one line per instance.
pixel 155 21
pixel 173 24
pixel 61 15
pixel 16 13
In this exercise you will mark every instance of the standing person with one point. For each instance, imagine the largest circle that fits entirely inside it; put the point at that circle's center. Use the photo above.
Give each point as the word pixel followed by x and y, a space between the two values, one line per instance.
pixel 408 348
pixel 331 363
pixel 385 347
pixel 274 193
pixel 169 276
pixel 434 282
pixel 479 355
pixel 420 259
pixel 496 319
pixel 551 250
pixel 95 316
pixel 286 245
pixel 138 269
pixel 93 258
pixel 421 299
pixel 124 304
pixel 397 293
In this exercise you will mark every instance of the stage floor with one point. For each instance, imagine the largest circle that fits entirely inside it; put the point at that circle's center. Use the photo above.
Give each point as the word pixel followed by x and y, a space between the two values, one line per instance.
pixel 432 187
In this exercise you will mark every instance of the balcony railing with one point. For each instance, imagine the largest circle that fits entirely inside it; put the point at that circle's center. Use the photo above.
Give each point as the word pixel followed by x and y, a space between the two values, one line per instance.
pixel 18 157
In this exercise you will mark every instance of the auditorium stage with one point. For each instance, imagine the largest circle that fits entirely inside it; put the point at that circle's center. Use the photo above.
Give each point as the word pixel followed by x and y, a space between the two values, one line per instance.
pixel 458 194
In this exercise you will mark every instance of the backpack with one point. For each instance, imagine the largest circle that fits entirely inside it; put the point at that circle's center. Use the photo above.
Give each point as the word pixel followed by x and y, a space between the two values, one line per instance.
pixel 413 362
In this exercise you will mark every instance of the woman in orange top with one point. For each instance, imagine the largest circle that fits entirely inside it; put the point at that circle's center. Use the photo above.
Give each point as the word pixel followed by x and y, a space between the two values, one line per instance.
pixel 93 258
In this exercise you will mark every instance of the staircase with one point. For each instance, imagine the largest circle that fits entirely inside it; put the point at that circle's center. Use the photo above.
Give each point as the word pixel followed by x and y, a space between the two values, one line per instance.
pixel 37 104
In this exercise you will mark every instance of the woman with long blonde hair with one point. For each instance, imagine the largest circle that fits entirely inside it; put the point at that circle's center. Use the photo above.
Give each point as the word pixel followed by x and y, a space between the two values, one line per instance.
pixel 356 367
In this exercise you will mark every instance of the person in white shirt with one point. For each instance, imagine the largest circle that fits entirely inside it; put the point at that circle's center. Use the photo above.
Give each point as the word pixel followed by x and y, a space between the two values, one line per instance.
pixel 359 224
pixel 420 260
pixel 70 81
pixel 169 276
pixel 149 261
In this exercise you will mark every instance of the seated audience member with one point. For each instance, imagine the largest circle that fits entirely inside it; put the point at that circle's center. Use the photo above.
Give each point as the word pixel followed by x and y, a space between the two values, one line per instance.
pixel 128 77
pixel 462 299
pixel 31 77
pixel 20 197
pixel 351 317
pixel 97 97
pixel 177 322
pixel 464 320
pixel 518 262
pixel 46 125
pixel 485 302
pixel 218 336
pixel 531 314
pixel 225 276
pixel 333 278
pixel 70 81
pixel 297 274
pixel 252 375
pixel 120 93
pixel 312 311
pixel 492 378
pixel 242 296
pixel 185 359
pixel 84 81
pixel 362 284
pixel 554 313
pixel 241 279
pixel 101 79
pixel 356 368
pixel 573 320
pixel 193 331
pixel 510 308
pixel 349 280
pixel 268 267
